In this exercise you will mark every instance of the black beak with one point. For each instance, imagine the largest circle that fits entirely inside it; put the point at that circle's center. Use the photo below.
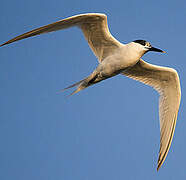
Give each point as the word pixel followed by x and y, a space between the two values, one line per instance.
pixel 156 50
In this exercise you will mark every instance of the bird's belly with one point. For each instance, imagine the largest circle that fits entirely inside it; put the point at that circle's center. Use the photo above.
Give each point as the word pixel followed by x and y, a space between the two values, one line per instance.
pixel 116 65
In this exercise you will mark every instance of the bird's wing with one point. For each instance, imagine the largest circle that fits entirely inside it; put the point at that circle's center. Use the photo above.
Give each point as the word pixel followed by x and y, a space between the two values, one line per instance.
pixel 94 27
pixel 166 82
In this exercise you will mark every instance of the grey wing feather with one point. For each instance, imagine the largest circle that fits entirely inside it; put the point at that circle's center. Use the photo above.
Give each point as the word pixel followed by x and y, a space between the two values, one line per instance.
pixel 166 82
pixel 94 27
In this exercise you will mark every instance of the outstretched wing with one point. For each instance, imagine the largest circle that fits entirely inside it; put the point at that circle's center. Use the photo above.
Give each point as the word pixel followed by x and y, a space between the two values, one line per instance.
pixel 94 27
pixel 166 82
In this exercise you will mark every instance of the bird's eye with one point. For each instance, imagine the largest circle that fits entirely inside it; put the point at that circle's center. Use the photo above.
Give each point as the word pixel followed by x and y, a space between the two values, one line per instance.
pixel 147 44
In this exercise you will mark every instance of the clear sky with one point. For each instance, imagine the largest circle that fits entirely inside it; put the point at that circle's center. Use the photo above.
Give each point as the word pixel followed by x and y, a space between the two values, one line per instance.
pixel 109 131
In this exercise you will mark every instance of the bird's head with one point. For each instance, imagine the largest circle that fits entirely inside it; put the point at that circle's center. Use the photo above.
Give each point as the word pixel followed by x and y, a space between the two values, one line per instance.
pixel 145 46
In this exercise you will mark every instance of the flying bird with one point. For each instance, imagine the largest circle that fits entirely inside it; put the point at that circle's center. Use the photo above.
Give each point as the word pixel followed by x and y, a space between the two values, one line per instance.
pixel 117 58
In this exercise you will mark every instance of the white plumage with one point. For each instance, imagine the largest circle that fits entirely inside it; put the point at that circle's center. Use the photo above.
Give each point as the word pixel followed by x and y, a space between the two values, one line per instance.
pixel 117 58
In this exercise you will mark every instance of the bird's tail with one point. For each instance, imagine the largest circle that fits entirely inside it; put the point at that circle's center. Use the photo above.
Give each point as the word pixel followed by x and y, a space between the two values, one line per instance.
pixel 77 84
pixel 90 80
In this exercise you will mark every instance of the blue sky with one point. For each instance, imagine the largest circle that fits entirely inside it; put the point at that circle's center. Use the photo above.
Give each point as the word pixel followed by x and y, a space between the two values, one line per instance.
pixel 108 131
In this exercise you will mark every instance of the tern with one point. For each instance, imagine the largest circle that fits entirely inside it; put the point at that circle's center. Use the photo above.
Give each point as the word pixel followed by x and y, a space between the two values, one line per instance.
pixel 117 58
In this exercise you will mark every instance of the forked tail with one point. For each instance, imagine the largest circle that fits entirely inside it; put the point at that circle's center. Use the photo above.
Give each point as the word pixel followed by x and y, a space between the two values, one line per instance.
pixel 77 84
pixel 90 80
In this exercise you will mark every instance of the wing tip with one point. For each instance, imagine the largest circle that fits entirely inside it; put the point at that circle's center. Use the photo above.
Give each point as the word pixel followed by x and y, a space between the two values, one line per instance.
pixel 3 44
pixel 161 160
pixel 9 42
pixel 158 167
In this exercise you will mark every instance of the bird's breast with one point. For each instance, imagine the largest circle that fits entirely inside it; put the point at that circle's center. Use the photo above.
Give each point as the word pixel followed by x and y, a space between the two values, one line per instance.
pixel 116 63
pixel 124 58
pixel 129 57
